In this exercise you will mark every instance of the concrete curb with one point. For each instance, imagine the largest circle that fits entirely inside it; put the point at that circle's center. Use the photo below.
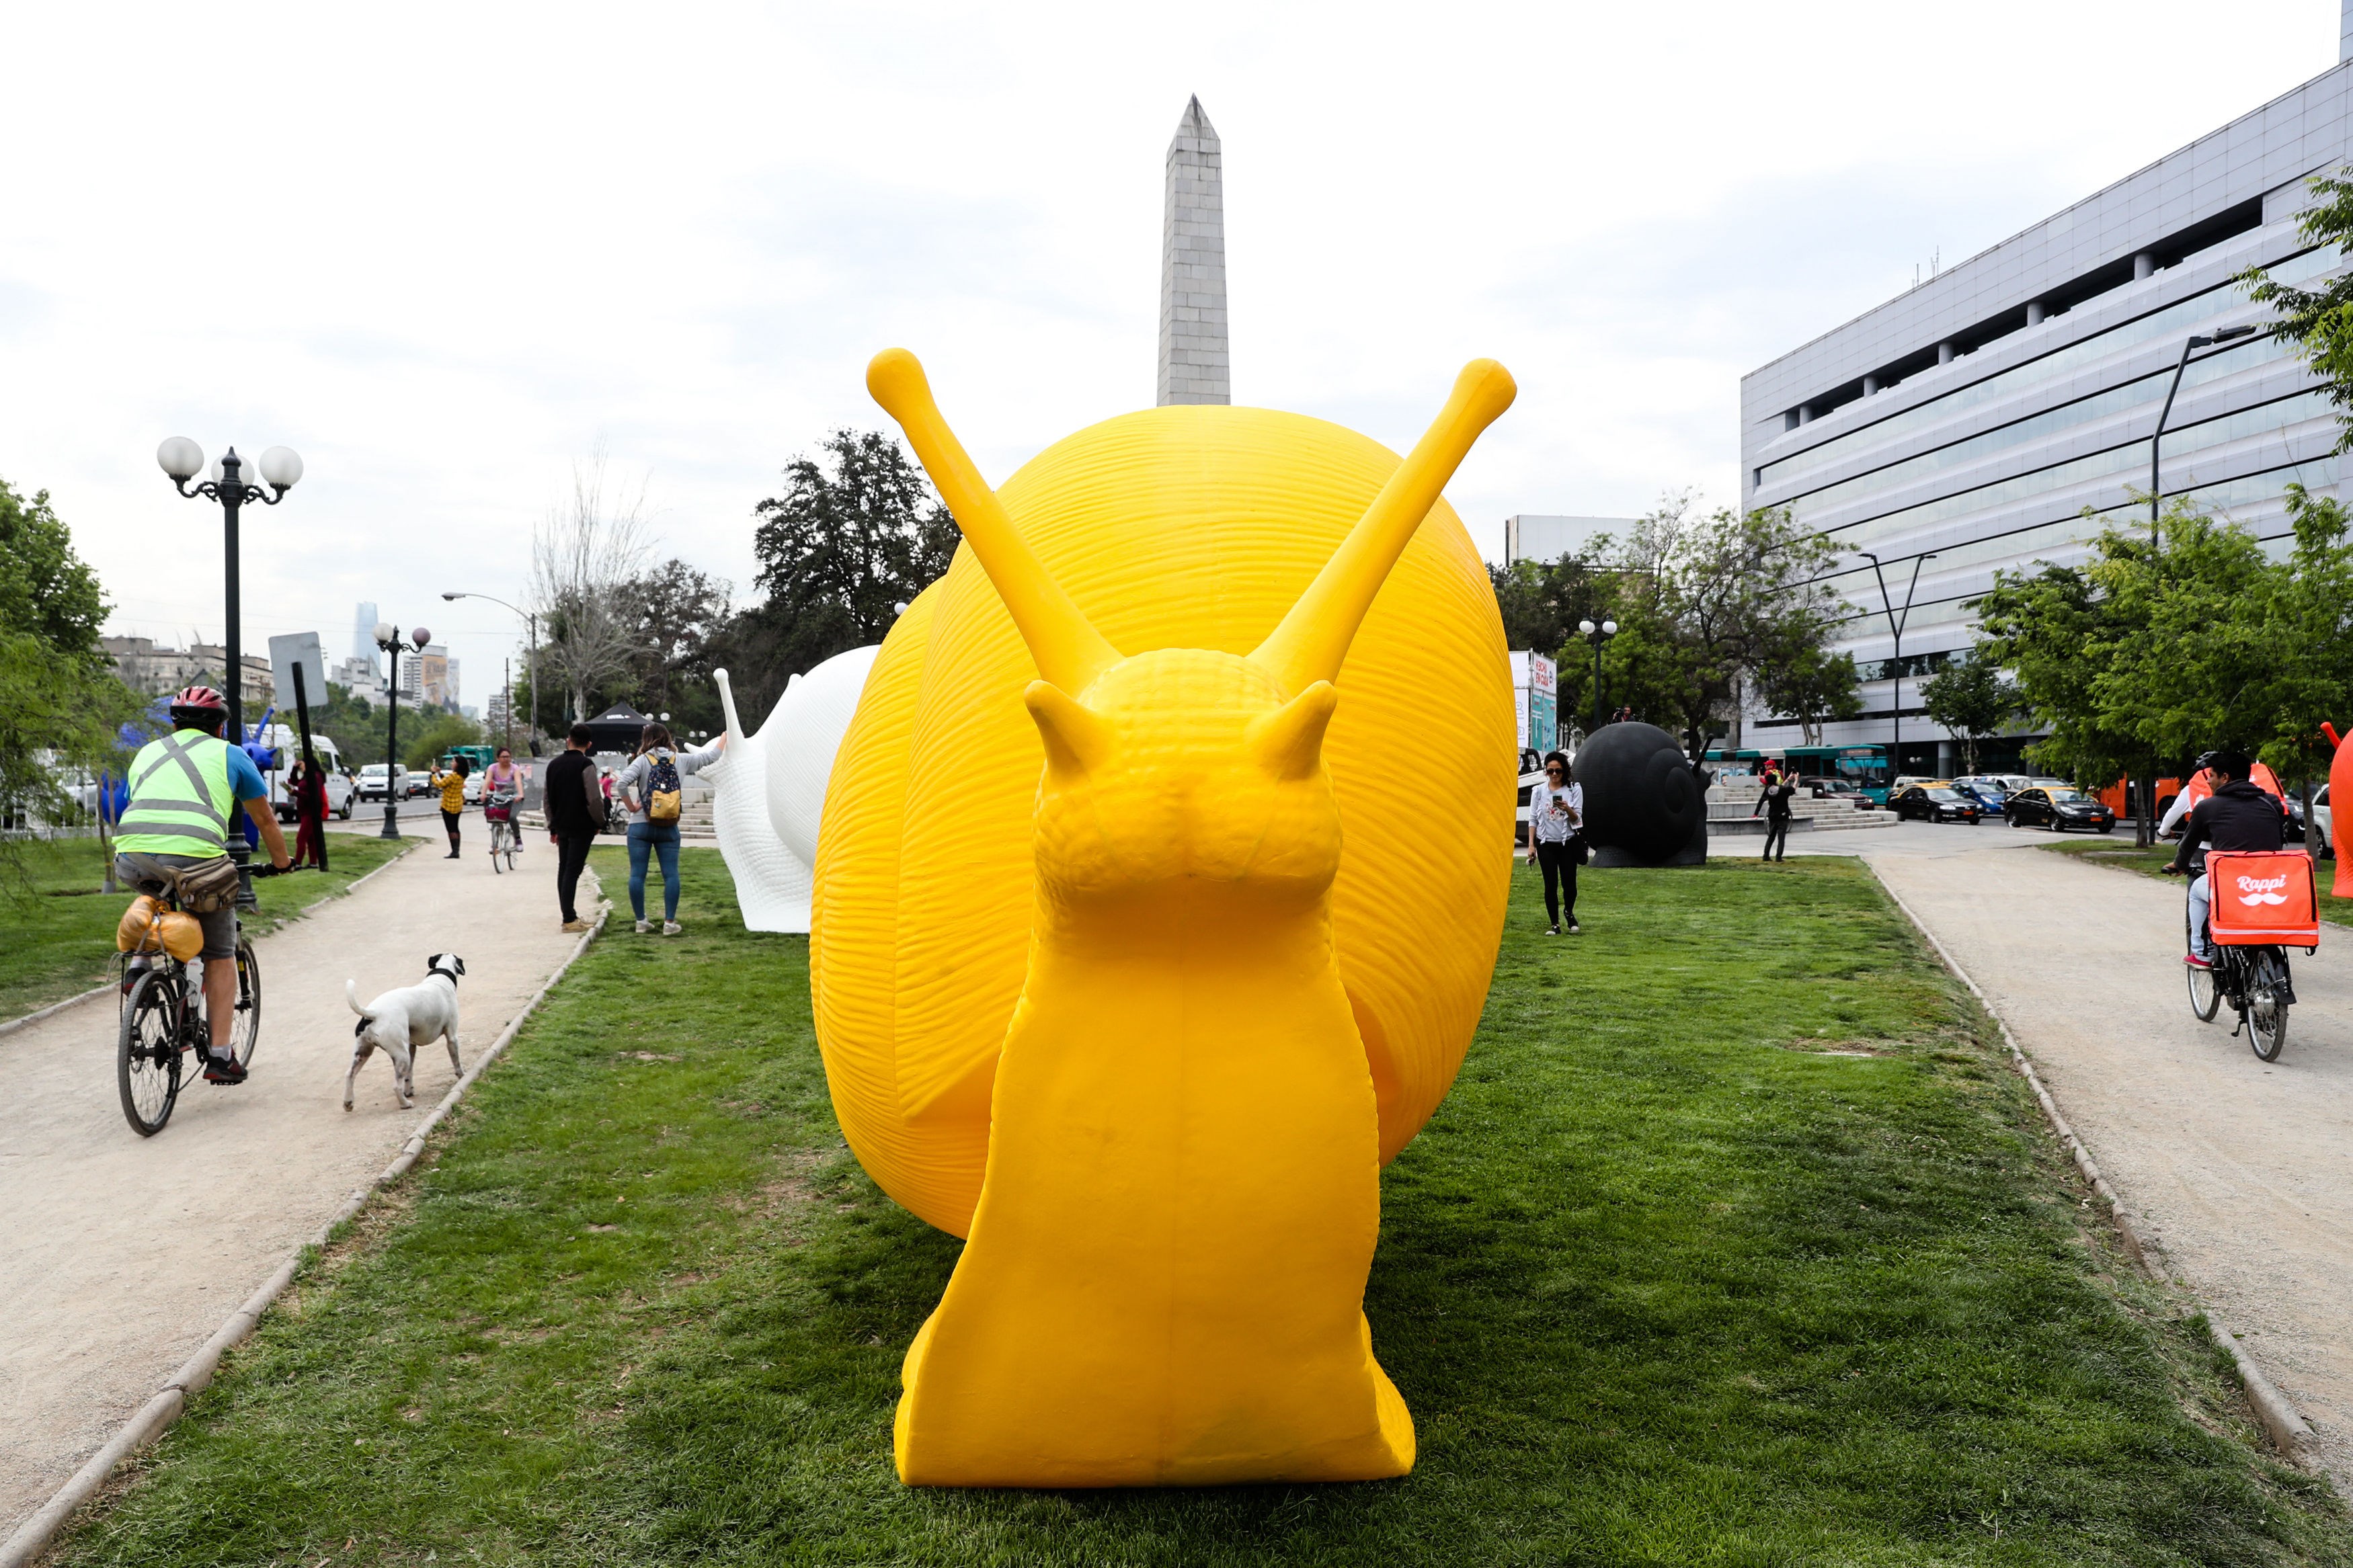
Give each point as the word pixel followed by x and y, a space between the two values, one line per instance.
pixel 196 1372
pixel 2289 1431
pixel 13 1024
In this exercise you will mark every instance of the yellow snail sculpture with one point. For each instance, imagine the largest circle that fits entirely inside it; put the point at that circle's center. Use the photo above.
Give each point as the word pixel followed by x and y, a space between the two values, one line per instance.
pixel 1162 874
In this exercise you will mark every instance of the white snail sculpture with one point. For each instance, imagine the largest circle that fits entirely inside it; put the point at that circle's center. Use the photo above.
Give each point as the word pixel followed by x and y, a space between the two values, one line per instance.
pixel 771 788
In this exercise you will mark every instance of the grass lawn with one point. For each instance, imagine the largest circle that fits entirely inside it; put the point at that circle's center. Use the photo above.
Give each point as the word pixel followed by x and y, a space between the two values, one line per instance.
pixel 1737 1243
pixel 2152 863
pixel 60 928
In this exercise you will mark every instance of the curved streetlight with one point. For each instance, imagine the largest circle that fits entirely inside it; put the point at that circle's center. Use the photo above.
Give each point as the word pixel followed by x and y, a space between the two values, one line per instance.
pixel 182 460
pixel 530 660
pixel 1596 636
pixel 2156 436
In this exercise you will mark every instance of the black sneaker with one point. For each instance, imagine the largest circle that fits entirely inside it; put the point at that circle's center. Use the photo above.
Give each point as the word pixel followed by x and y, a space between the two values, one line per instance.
pixel 1574 929
pixel 223 1069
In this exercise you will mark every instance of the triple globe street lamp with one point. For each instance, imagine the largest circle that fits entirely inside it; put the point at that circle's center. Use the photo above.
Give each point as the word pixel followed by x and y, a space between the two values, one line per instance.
pixel 182 460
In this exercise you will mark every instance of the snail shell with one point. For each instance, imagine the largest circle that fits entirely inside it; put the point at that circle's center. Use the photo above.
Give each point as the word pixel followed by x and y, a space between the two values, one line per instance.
pixel 1176 527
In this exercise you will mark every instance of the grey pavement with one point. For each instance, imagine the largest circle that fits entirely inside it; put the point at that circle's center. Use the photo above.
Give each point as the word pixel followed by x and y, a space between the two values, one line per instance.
pixel 2242 1170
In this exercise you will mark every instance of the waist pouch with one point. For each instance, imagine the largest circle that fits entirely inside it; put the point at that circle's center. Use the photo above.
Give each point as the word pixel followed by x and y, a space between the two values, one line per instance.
pixel 208 887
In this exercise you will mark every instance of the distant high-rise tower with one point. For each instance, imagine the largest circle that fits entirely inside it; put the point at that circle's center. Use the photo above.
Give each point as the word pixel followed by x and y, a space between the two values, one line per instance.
pixel 1193 366
pixel 363 633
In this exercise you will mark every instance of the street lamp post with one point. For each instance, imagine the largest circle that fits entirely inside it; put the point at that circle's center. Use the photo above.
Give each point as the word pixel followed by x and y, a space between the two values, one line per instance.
pixel 182 460
pixel 530 660
pixel 388 637
pixel 2157 437
pixel 1596 636
pixel 1895 625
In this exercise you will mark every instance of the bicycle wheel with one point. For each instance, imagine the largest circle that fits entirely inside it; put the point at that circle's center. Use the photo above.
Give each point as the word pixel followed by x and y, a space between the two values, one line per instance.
pixel 514 845
pixel 2205 995
pixel 147 1054
pixel 2266 1014
pixel 244 1023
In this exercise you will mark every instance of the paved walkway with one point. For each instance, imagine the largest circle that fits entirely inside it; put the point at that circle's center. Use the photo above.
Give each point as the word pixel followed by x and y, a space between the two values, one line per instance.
pixel 2243 1170
pixel 124 1253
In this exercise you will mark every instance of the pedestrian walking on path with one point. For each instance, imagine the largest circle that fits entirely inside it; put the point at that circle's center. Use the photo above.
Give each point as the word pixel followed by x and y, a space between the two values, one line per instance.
pixel 651 789
pixel 1557 840
pixel 573 795
pixel 1774 802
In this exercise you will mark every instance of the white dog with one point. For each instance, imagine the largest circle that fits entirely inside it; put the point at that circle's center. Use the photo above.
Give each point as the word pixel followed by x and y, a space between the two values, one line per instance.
pixel 405 1022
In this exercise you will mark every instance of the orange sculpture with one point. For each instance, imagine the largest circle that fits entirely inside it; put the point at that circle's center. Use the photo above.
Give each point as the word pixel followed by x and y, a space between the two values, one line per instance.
pixel 1173 1018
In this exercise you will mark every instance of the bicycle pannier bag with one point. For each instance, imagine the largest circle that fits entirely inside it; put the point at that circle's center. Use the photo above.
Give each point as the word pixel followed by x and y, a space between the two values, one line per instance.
pixel 208 886
pixel 147 926
pixel 2264 897
pixel 663 793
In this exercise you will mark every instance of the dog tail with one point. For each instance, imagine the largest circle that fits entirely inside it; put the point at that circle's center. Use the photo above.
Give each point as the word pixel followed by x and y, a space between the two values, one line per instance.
pixel 352 995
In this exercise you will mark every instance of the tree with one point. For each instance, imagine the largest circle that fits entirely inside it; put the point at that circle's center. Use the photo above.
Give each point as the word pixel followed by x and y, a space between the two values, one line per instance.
pixel 2320 321
pixel 855 536
pixel 1813 686
pixel 1970 698
pixel 1703 602
pixel 1542 601
pixel 2153 652
pixel 442 733
pixel 45 590
pixel 583 556
pixel 677 614
pixel 60 700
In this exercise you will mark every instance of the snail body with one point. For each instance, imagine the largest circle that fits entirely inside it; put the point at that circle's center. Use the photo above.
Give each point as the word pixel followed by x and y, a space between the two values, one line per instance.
pixel 1161 877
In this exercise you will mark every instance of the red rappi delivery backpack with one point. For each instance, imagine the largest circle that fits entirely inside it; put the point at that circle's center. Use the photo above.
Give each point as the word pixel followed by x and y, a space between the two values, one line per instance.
pixel 2262 897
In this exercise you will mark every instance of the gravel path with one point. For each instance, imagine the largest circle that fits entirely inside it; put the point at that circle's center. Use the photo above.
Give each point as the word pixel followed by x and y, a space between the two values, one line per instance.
pixel 2243 1170
pixel 124 1254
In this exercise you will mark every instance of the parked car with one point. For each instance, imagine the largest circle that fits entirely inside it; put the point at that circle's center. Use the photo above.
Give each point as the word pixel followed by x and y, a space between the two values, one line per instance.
pixel 2058 807
pixel 1989 790
pixel 2323 833
pixel 1937 802
pixel 1842 789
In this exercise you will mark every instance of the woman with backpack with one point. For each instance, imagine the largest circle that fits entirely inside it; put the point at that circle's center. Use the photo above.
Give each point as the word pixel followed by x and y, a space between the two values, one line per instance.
pixel 651 787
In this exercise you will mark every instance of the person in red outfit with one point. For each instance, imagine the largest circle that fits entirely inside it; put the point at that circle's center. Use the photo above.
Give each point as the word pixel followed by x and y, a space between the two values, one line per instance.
pixel 308 786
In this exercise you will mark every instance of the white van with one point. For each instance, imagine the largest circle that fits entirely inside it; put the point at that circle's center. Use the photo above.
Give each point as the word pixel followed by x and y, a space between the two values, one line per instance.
pixel 289 746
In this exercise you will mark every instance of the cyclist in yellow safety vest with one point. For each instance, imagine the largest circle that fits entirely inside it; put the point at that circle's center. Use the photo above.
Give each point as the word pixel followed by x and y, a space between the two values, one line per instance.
pixel 185 791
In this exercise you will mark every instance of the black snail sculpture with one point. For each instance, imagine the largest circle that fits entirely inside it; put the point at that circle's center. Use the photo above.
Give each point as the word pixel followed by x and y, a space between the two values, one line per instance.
pixel 1645 804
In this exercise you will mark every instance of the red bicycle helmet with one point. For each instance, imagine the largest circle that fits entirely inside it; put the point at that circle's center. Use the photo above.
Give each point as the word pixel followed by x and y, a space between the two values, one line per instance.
pixel 200 703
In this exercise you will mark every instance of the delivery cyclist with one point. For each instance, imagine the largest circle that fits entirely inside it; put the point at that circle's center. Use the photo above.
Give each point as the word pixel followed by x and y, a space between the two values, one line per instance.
pixel 2237 817
pixel 185 791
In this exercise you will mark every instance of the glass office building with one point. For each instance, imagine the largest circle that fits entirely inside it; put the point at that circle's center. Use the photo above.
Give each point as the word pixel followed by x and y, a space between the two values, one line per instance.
pixel 1967 426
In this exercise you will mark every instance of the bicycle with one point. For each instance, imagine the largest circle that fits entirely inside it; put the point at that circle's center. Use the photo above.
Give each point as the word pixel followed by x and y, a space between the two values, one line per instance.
pixel 162 1021
pixel 2250 973
pixel 506 839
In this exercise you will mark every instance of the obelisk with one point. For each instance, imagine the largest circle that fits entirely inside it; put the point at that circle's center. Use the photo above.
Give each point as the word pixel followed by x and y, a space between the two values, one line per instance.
pixel 1193 366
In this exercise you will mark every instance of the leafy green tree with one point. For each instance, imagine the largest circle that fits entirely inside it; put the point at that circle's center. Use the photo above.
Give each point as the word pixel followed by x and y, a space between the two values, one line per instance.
pixel 1970 698
pixel 421 748
pixel 45 590
pixel 1811 685
pixel 2320 321
pixel 856 534
pixel 60 700
pixel 1542 601
pixel 1707 601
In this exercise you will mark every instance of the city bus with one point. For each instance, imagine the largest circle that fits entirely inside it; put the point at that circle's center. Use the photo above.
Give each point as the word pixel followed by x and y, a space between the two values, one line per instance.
pixel 1865 767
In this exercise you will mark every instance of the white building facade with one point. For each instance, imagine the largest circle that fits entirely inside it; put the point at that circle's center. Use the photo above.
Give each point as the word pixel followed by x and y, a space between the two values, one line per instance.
pixel 1965 427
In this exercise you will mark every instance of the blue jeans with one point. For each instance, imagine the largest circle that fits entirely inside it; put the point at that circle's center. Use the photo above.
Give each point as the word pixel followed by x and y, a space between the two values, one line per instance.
pixel 645 837
pixel 2199 893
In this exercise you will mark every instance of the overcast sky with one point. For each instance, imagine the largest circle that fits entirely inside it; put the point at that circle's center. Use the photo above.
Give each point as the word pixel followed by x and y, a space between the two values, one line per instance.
pixel 445 251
